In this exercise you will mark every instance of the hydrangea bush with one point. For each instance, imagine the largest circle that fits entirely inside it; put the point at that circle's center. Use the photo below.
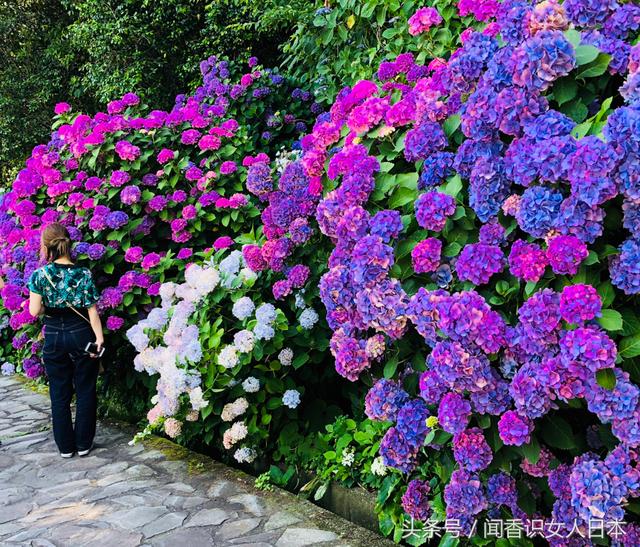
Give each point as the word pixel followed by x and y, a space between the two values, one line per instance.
pixel 226 355
pixel 141 190
pixel 485 263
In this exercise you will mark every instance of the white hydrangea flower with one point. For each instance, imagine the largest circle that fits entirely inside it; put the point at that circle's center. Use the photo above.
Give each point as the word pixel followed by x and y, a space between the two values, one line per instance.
pixel 291 398
pixel 247 275
pixel 167 291
pixel 228 357
pixel 245 455
pixel 378 467
pixel 230 265
pixel 264 331
pixel 244 341
pixel 251 385
pixel 197 400
pixel 235 433
pixel 243 308
pixel 348 457
pixel 266 313
pixel 285 357
pixel 138 338
pixel 308 318
pixel 300 303
pixel 231 411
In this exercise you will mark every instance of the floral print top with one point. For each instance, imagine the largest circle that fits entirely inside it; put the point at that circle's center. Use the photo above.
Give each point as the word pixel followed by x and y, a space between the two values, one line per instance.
pixel 73 286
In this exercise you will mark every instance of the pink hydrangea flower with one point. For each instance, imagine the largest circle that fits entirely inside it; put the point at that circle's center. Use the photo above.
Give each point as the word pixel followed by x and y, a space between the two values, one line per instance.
pixel 423 19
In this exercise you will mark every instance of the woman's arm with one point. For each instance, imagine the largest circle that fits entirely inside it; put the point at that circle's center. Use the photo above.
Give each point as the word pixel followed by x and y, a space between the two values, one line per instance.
pixel 96 325
pixel 35 304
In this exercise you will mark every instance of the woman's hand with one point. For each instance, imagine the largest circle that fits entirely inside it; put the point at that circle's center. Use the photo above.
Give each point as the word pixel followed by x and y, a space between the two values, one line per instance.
pixel 100 344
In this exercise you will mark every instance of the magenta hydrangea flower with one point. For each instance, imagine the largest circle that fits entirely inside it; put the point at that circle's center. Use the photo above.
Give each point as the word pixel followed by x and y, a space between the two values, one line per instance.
pixel 423 19
pixel 130 195
pixel 114 322
pixel 453 413
pixel 127 151
pixel 482 10
pixel 119 178
pixel 253 257
pixel 158 203
pixel 425 256
pixel 281 289
pixel 165 155
pixel 527 261
pixel 514 429
pixel 222 242
pixel 134 255
pixel 228 167
pixel 150 260
pixel 415 500
pixel 478 262
pixel 298 276
pixel 432 210
pixel 61 108
pixel 565 253
pixel 579 303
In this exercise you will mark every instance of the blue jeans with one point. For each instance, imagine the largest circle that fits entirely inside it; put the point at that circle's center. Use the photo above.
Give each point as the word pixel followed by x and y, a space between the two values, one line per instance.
pixel 70 369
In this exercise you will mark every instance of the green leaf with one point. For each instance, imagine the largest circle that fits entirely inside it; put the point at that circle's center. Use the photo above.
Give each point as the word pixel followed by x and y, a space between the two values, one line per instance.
pixel 558 433
pixel 453 186
pixel 401 197
pixel 321 491
pixel 607 293
pixel 629 346
pixel 610 320
pixel 630 322
pixel 564 90
pixel 585 54
pixel 390 367
pixel 606 378
pixel 451 124
pixel 531 451
pixel 596 68
pixel 108 268
pixel 574 37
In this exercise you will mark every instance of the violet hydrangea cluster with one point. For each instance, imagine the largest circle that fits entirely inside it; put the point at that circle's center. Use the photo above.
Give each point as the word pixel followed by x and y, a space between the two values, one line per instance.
pixel 539 188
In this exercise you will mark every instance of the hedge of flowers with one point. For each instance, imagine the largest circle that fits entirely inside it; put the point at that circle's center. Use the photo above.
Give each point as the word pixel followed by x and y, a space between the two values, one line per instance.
pixel 140 190
pixel 485 262
pixel 225 356
pixel 470 224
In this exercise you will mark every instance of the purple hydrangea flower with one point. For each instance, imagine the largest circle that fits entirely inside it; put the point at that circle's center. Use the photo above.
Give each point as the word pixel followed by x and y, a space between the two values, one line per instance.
pixel 453 413
pixel 415 500
pixel 471 451
pixel 514 429
pixel 433 208
pixel 384 400
pixel 565 253
pixel 579 303
pixel 425 256
pixel 478 262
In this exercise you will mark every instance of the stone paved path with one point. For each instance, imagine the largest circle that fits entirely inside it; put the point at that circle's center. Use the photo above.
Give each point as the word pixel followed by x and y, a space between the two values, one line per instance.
pixel 153 495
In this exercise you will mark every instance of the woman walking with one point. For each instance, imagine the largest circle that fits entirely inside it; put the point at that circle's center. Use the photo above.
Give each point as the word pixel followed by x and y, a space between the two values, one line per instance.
pixel 66 295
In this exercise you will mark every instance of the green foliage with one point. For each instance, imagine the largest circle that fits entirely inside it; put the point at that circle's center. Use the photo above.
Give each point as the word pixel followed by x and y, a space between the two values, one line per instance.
pixel 342 42
pixel 32 76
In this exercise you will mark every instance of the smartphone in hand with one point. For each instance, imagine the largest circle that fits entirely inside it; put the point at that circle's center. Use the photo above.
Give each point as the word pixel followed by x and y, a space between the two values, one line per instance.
pixel 92 349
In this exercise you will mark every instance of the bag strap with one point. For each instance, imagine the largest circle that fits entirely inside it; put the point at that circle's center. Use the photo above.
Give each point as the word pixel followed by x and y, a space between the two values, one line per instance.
pixel 44 271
